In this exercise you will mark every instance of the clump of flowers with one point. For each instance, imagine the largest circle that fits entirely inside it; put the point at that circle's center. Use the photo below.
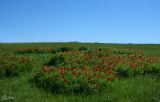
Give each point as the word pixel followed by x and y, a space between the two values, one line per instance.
pixel 90 71
pixel 77 80
pixel 14 65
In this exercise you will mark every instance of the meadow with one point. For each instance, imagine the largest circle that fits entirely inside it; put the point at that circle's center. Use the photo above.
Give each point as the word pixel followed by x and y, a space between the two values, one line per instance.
pixel 79 72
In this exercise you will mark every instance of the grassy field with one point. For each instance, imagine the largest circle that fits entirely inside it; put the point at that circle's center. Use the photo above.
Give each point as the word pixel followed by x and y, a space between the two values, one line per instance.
pixel 20 88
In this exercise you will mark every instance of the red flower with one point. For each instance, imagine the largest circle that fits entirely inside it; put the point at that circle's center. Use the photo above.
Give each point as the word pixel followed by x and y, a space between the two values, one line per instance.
pixel 58 76
pixel 61 71
pixel 86 73
pixel 89 80
pixel 99 77
pixel 94 72
pixel 109 79
pixel 84 69
pixel 132 65
pixel 109 73
pixel 44 69
pixel 108 68
pixel 135 57
pixel 65 81
pixel 69 69
pixel 53 79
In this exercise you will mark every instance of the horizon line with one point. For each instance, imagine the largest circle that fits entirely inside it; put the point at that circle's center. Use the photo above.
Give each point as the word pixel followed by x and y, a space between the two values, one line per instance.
pixel 29 42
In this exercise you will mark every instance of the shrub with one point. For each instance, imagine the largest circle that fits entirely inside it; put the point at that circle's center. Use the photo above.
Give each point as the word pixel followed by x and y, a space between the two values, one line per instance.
pixel 56 60
pixel 82 49
pixel 36 50
pixel 64 49
pixel 92 71
pixel 72 80
pixel 12 65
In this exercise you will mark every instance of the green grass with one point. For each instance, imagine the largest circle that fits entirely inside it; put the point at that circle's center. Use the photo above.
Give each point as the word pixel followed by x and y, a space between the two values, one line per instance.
pixel 139 89
pixel 136 89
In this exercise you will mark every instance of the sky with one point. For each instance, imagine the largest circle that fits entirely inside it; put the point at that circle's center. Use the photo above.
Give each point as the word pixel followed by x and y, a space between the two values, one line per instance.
pixel 106 21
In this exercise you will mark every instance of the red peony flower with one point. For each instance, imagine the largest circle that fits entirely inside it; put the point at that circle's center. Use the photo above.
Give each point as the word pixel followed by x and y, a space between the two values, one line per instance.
pixel 53 79
pixel 109 79
pixel 108 68
pixel 61 71
pixel 84 69
pixel 44 69
pixel 58 76
pixel 65 81
pixel 89 80
pixel 94 72
pixel 99 77
pixel 132 65
pixel 135 57
pixel 69 69
pixel 86 73
pixel 109 73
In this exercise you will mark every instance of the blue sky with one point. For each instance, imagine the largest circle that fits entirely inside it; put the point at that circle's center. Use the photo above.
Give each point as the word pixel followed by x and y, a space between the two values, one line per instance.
pixel 110 21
